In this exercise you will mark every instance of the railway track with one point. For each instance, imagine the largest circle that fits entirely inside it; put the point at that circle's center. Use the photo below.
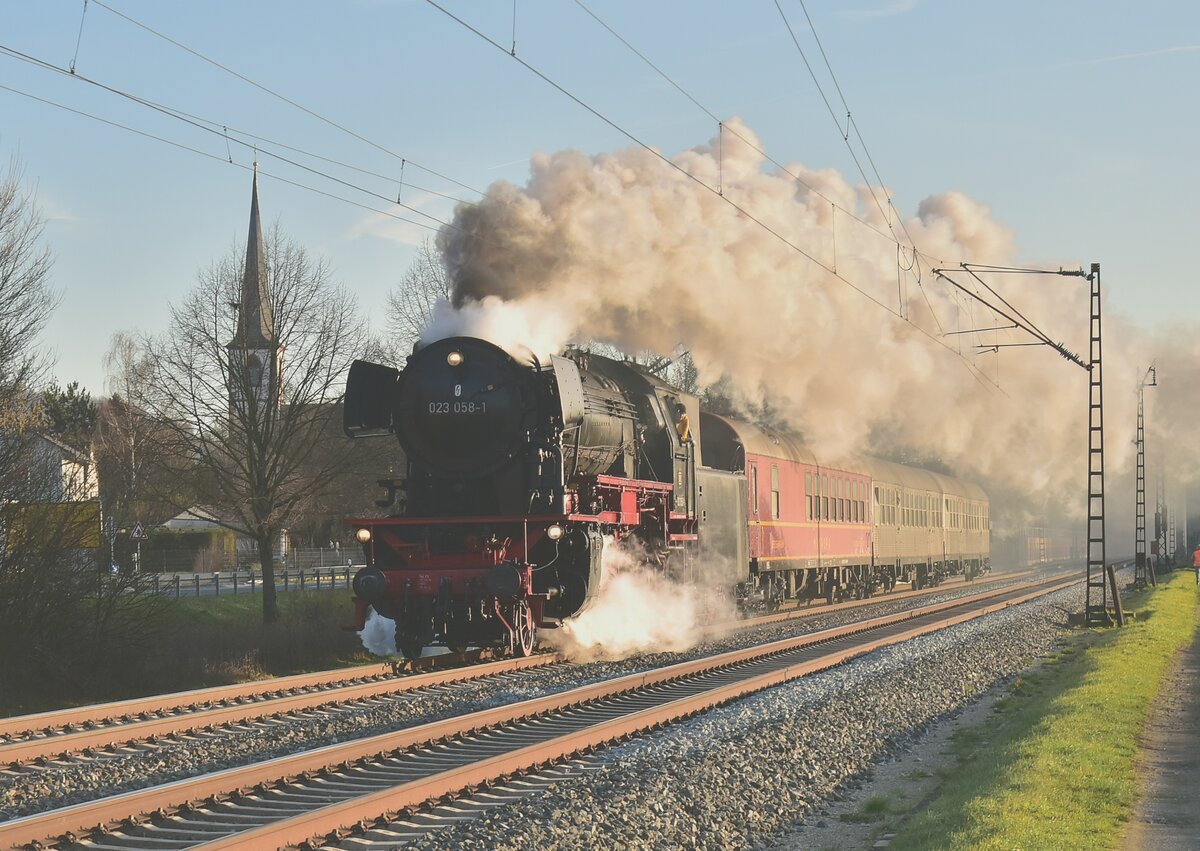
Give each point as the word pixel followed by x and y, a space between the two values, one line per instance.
pixel 365 783
pixel 33 741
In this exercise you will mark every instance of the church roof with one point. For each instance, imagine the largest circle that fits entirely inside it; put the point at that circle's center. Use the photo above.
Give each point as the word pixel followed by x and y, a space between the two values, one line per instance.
pixel 255 323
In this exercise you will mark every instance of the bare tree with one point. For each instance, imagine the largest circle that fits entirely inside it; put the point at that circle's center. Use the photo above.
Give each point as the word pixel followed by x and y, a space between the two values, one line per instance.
pixel 411 303
pixel 683 373
pixel 251 424
pixel 26 300
pixel 54 611
pixel 137 483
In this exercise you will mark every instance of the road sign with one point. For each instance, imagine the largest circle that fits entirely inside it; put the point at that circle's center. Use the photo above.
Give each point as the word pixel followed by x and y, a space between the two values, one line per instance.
pixel 138 533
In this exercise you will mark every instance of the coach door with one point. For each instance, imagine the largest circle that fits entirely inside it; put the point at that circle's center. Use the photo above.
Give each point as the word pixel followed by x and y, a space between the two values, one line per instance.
pixel 755 507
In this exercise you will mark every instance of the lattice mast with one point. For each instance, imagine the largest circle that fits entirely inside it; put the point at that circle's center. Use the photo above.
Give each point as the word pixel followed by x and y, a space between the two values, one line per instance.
pixel 1160 517
pixel 1101 577
pixel 1143 570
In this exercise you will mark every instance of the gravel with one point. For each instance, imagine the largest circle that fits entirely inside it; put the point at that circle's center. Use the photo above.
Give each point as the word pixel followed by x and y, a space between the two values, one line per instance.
pixel 124 770
pixel 737 776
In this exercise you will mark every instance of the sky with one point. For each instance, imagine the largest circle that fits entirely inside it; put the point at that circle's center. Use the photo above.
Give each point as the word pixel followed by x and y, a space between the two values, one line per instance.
pixel 1075 122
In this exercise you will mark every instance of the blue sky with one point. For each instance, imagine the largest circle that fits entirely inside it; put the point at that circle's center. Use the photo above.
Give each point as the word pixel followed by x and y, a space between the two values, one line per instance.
pixel 1075 121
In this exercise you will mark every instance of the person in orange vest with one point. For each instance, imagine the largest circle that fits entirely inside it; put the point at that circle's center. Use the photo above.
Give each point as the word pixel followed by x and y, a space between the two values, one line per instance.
pixel 683 425
pixel 1196 563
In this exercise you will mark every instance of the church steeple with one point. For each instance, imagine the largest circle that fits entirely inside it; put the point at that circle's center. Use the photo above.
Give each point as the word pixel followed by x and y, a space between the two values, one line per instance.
pixel 255 324
pixel 254 353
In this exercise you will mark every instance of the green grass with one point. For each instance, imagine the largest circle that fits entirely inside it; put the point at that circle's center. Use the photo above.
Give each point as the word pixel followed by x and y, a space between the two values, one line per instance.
pixel 1053 766
pixel 198 642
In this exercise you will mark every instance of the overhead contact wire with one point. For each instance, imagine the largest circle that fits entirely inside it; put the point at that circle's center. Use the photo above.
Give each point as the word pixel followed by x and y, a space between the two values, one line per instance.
pixel 667 161
pixel 277 95
pixel 208 127
pixel 211 156
pixel 727 129
pixel 79 37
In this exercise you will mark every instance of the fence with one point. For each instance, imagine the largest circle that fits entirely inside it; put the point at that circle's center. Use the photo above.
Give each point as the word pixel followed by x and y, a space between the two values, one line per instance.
pixel 210 561
pixel 241 582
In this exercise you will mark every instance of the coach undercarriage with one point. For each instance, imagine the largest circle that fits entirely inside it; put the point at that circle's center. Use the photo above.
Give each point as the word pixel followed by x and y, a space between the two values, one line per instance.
pixel 771 587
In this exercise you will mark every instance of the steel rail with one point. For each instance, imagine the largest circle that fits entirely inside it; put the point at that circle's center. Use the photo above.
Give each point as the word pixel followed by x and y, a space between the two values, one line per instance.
pixel 119 734
pixel 48 735
pixel 342 819
pixel 137 706
pixel 71 821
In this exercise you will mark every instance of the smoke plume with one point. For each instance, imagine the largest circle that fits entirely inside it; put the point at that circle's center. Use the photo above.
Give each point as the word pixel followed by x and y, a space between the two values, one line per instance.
pixel 639 609
pixel 624 249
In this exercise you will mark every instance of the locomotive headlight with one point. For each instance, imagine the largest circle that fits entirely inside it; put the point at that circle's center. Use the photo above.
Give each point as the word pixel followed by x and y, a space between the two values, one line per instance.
pixel 554 532
pixel 454 358
pixel 363 535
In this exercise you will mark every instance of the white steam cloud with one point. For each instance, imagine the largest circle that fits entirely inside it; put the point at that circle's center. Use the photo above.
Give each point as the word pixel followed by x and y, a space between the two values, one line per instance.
pixel 516 328
pixel 639 609
pixel 621 248
pixel 378 635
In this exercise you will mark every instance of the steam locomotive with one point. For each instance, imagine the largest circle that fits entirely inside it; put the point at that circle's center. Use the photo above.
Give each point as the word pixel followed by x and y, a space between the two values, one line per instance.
pixel 519 471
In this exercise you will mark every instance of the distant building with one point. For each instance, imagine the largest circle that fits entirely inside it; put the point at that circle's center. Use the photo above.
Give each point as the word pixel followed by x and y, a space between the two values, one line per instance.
pixel 52 494
pixel 195 519
pixel 52 471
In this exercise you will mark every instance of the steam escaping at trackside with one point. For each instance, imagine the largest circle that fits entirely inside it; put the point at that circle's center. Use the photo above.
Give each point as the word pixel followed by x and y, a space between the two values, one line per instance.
pixel 640 609
pixel 378 635
pixel 622 248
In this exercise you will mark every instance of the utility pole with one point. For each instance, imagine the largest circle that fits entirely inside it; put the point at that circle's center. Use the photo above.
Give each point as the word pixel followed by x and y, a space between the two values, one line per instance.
pixel 1143 571
pixel 1172 540
pixel 1160 517
pixel 1096 611
pixel 1101 577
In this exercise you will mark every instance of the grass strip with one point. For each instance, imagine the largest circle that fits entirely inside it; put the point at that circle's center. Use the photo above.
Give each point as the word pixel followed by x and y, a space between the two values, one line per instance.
pixel 1054 766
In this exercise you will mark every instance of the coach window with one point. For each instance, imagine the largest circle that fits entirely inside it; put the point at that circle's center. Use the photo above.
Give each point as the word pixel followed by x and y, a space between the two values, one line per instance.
pixel 824 497
pixel 754 486
pixel 774 492
pixel 808 496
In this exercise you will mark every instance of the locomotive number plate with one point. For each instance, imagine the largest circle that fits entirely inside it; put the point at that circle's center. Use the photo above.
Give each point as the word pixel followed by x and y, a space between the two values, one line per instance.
pixel 457 408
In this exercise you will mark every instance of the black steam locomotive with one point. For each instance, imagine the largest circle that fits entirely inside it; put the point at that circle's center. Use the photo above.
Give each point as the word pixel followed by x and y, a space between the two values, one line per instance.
pixel 516 474
pixel 519 472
